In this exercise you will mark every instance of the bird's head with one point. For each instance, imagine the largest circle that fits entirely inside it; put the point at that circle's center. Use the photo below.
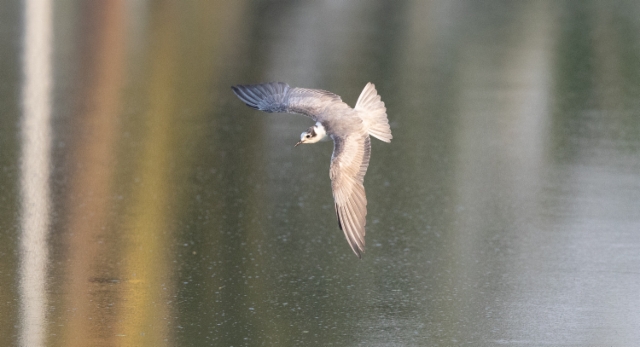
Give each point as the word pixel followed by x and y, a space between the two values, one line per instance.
pixel 312 135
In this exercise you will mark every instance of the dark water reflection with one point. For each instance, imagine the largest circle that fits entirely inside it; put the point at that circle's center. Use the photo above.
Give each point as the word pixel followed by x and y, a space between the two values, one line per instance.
pixel 505 211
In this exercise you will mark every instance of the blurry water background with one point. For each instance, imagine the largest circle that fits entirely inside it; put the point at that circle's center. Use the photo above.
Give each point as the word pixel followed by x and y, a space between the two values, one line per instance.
pixel 142 204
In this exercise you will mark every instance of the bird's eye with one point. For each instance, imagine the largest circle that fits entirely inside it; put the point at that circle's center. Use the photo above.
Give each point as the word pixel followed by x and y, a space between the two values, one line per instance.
pixel 308 136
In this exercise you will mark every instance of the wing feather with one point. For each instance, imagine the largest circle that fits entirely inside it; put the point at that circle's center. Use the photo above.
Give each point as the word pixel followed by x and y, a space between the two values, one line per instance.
pixel 349 164
pixel 280 97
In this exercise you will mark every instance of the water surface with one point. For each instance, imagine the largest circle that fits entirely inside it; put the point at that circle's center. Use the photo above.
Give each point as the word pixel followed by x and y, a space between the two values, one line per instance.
pixel 506 210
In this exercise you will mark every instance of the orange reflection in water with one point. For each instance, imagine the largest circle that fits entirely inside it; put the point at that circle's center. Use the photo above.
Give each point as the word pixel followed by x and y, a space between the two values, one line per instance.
pixel 88 290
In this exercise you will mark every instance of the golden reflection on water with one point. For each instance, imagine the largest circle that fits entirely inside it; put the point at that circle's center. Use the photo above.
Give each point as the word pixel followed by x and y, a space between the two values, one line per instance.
pixel 147 278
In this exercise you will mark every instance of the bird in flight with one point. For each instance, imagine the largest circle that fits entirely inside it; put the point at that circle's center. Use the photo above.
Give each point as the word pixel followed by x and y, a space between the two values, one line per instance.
pixel 349 128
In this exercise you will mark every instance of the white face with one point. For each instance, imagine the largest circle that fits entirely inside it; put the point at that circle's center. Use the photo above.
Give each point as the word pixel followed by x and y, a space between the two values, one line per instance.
pixel 313 134
pixel 308 137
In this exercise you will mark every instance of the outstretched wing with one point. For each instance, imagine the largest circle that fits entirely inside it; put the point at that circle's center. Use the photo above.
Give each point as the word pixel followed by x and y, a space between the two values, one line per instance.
pixel 279 97
pixel 349 164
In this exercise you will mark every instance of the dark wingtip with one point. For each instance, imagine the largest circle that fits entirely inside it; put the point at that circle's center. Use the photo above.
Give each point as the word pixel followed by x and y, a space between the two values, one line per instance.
pixel 268 97
pixel 359 251
pixel 354 247
pixel 238 90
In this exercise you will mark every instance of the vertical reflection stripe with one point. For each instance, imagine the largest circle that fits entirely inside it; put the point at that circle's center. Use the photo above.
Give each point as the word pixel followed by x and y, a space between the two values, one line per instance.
pixel 34 184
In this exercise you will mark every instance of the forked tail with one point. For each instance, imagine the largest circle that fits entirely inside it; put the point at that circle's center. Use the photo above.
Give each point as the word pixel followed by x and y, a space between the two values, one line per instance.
pixel 373 113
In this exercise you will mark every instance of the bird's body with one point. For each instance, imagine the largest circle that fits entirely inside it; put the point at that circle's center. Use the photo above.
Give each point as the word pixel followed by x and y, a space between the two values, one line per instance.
pixel 349 128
